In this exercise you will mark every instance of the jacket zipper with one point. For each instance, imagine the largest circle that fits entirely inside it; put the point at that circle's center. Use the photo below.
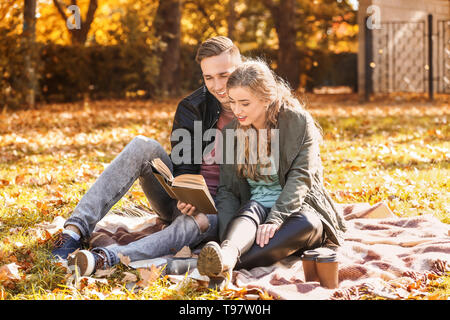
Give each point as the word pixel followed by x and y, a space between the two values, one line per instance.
pixel 215 121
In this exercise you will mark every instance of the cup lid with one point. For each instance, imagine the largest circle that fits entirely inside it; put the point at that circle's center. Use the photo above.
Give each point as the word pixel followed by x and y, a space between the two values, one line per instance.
pixel 310 255
pixel 328 257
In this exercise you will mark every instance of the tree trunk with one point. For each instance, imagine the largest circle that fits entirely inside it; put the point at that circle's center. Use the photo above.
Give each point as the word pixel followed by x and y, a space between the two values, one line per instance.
pixel 288 58
pixel 231 19
pixel 168 26
pixel 78 33
pixel 28 42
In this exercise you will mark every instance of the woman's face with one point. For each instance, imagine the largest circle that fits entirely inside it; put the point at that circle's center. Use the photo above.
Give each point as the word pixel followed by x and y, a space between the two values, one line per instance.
pixel 247 107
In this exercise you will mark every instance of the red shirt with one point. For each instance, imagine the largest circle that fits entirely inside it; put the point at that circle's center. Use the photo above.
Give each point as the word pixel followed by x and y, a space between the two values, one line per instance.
pixel 211 171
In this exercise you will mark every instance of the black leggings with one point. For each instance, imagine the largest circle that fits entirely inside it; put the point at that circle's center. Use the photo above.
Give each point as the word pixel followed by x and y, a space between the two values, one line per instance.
pixel 299 232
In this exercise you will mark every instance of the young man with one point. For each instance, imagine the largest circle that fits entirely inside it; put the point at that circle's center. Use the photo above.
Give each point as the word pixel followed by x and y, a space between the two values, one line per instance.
pixel 218 57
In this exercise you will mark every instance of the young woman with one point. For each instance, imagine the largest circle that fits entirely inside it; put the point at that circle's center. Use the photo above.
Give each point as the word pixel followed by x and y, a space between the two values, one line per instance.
pixel 266 215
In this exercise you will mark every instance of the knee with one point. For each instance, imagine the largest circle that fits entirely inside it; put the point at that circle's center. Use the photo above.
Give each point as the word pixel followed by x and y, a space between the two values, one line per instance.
pixel 309 226
pixel 199 221
pixel 254 211
pixel 311 229
pixel 144 142
pixel 202 222
pixel 311 223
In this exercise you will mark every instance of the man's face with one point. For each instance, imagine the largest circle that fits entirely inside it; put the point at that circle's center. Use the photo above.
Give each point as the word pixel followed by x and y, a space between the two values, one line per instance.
pixel 216 71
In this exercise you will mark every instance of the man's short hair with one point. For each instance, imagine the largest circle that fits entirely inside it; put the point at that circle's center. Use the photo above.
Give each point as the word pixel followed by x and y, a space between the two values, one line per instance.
pixel 216 46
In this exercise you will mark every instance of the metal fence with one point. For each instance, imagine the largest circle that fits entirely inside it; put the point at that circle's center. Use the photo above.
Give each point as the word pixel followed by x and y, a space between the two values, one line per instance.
pixel 443 50
pixel 399 57
pixel 405 56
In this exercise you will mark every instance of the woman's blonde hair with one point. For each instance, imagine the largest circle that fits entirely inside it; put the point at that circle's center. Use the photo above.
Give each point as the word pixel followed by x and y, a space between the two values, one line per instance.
pixel 257 76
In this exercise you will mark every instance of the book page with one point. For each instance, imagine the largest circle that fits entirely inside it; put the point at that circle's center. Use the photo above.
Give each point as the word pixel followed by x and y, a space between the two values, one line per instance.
pixel 162 169
pixel 166 187
pixel 195 180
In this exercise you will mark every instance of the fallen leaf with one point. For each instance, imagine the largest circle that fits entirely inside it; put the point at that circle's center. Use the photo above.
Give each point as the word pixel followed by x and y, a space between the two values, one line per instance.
pixel 104 273
pixel 124 259
pixel 129 277
pixel 20 179
pixel 148 276
pixel 185 252
pixel 9 272
pixel 3 182
pixel 265 296
pixel 3 255
pixel 437 296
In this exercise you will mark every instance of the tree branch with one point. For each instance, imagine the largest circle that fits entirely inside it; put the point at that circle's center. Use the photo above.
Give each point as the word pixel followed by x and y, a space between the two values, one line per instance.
pixel 79 36
pixel 91 12
pixel 4 8
pixel 60 9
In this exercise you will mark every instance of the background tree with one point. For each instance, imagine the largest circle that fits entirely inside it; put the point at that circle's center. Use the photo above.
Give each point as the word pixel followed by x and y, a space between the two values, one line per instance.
pixel 231 19
pixel 78 35
pixel 168 28
pixel 146 48
pixel 29 49
pixel 284 15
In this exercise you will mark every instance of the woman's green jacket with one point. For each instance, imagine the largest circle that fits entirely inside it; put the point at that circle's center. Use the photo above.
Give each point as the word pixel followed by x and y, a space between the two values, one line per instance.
pixel 300 174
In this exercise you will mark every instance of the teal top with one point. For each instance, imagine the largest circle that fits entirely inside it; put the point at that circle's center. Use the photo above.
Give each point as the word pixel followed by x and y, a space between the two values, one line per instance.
pixel 265 192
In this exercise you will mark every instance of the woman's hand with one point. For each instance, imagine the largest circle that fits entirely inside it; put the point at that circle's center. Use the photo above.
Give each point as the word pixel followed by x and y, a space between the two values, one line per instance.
pixel 186 208
pixel 264 233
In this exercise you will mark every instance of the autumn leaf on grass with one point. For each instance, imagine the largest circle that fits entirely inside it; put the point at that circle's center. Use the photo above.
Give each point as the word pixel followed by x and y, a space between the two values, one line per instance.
pixel 104 273
pixel 20 179
pixel 3 255
pixel 3 182
pixel 42 206
pixel 9 272
pixel 148 276
pixel 436 296
pixel 185 252
pixel 54 227
pixel 236 293
pixel 265 296
pixel 124 259
pixel 129 277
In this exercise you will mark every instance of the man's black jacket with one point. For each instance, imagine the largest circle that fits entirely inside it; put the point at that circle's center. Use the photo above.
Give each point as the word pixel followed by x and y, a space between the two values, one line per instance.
pixel 202 106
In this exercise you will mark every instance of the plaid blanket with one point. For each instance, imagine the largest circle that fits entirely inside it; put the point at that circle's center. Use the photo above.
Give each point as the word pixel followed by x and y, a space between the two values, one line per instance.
pixel 382 254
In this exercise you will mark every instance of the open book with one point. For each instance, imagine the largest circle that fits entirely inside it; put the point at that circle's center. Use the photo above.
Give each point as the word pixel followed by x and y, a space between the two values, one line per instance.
pixel 188 188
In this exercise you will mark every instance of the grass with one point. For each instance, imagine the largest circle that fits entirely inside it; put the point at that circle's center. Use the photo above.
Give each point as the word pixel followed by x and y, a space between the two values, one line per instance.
pixel 392 150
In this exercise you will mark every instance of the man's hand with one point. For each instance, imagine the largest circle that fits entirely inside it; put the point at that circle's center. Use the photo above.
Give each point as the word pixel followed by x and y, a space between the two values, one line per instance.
pixel 186 208
pixel 264 233
pixel 189 210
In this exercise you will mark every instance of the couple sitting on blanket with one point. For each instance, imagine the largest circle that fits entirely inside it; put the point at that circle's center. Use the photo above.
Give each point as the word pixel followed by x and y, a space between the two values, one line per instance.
pixel 267 210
